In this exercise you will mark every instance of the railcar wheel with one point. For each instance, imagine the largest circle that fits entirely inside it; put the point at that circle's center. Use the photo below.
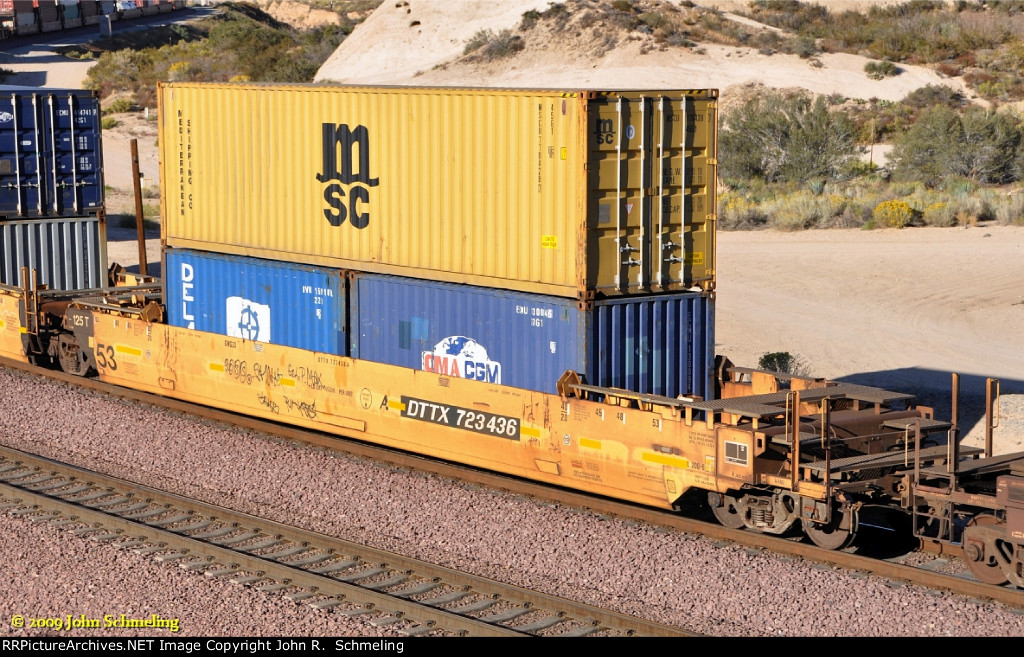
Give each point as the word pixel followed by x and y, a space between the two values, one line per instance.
pixel 726 510
pixel 836 534
pixel 70 356
pixel 981 554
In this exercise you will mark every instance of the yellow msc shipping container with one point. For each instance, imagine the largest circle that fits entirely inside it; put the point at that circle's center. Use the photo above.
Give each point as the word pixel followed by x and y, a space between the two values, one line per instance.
pixel 568 193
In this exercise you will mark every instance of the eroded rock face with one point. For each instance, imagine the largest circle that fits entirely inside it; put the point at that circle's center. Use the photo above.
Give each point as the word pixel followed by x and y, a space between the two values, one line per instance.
pixel 300 15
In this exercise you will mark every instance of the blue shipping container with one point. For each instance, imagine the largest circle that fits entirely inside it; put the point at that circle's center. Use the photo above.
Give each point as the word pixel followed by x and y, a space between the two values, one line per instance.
pixel 661 344
pixel 264 300
pixel 51 162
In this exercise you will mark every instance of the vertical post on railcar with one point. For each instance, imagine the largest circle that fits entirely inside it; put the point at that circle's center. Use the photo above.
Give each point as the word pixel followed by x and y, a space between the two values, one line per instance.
pixel 954 414
pixel 991 412
pixel 139 218
pixel 793 400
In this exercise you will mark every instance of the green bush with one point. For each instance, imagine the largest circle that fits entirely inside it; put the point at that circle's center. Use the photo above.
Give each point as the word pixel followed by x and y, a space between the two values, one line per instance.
pixel 530 19
pixel 780 137
pixel 489 45
pixel 736 212
pixel 480 39
pixel 940 214
pixel 982 146
pixel 782 362
pixel 1011 210
pixel 120 106
pixel 879 70
pixel 239 41
pixel 108 123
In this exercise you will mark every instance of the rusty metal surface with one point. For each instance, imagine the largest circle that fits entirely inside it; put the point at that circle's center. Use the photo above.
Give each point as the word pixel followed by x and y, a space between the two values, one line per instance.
pixel 773 403
pixel 889 459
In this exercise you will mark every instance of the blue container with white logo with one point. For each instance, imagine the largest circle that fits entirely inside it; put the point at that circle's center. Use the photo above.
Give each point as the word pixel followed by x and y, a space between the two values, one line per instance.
pixel 253 299
pixel 661 344
pixel 51 161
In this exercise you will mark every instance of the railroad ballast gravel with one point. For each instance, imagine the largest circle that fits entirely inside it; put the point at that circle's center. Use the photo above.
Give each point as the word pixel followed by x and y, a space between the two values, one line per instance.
pixel 679 579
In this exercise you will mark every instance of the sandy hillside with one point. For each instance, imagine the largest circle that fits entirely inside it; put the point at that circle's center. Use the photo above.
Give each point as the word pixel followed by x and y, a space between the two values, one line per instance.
pixel 421 42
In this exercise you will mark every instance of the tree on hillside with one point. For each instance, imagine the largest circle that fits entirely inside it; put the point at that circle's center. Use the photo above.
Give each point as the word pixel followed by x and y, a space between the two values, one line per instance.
pixel 980 145
pixel 780 137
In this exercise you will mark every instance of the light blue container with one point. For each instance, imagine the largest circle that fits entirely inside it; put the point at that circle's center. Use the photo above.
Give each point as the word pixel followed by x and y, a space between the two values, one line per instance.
pixel 253 299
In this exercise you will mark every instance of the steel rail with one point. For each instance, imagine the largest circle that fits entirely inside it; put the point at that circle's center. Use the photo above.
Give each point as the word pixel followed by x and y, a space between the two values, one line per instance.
pixel 352 445
pixel 389 581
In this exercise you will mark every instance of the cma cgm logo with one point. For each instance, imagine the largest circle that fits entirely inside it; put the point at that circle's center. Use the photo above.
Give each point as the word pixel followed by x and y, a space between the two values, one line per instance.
pixel 464 358
pixel 346 169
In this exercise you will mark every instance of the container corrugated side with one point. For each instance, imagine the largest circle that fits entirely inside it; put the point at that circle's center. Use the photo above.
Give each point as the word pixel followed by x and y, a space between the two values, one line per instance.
pixel 51 161
pixel 90 11
pixel 267 301
pixel 575 194
pixel 661 344
pixel 67 254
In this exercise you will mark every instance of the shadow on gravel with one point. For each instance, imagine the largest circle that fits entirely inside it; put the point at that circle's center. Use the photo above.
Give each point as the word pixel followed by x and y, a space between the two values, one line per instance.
pixel 933 388
pixel 884 533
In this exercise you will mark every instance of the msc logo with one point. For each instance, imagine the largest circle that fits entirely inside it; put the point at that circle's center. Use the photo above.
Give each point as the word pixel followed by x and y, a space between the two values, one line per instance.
pixel 341 168
pixel 604 131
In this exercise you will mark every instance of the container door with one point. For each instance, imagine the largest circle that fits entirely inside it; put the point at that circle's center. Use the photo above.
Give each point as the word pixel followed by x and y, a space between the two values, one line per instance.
pixel 619 208
pixel 74 131
pixel 651 174
pixel 22 168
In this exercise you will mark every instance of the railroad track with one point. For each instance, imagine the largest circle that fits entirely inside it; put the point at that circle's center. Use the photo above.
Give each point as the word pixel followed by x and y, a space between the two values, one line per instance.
pixel 413 597
pixel 925 571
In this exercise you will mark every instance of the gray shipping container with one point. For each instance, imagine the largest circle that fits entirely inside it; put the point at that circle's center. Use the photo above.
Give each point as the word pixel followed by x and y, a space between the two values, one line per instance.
pixel 67 253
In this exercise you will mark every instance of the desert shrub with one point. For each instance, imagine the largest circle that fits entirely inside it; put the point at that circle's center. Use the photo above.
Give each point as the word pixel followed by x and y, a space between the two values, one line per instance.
pixel 119 106
pixel 782 362
pixel 239 40
pixel 934 94
pixel 879 70
pixel 655 20
pixel 737 212
pixel 108 123
pixel 939 213
pixel 893 214
pixel 803 46
pixel 489 45
pixel 968 210
pixel 530 19
pixel 982 146
pixel 480 39
pixel 1011 209
pixel 779 137
pixel 802 209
